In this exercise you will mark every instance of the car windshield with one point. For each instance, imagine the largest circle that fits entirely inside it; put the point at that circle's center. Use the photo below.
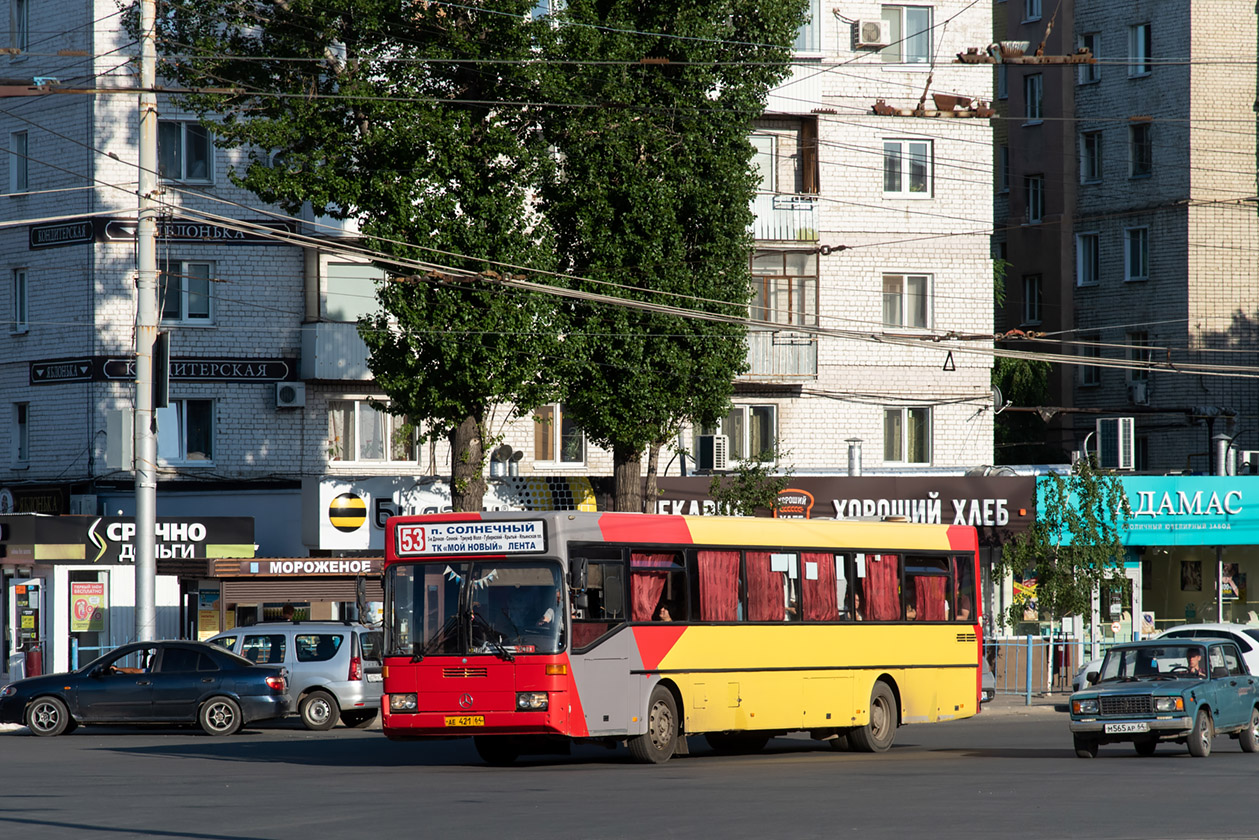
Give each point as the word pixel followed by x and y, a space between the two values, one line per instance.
pixel 1165 662
pixel 467 607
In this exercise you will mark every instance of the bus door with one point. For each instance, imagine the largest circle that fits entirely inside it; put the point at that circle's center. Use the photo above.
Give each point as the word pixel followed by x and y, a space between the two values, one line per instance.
pixel 601 646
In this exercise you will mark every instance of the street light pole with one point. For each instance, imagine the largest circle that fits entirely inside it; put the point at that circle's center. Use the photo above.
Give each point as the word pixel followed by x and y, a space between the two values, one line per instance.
pixel 146 333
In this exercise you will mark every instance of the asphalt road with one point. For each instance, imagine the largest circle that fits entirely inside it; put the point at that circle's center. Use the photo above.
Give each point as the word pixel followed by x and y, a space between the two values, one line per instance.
pixel 1011 773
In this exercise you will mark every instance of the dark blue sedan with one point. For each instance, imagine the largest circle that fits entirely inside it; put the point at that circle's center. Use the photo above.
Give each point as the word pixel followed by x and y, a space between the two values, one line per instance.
pixel 171 682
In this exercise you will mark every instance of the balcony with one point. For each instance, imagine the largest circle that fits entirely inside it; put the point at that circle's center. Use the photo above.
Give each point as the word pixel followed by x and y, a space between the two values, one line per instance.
pixel 333 350
pixel 784 217
pixel 778 355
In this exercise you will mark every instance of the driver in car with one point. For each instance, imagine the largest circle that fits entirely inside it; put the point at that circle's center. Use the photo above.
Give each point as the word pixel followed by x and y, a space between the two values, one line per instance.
pixel 1195 663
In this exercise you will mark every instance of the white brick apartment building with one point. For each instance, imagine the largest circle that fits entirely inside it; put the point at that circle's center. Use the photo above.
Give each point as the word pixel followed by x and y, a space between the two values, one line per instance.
pixel 872 235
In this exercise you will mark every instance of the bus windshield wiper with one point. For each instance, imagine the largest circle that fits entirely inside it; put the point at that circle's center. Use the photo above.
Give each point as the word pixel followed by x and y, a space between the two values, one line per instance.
pixel 499 650
pixel 438 638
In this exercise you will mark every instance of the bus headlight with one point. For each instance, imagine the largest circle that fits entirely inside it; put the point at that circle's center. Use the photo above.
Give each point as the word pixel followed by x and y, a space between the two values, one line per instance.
pixel 531 701
pixel 403 703
pixel 1084 707
pixel 1169 704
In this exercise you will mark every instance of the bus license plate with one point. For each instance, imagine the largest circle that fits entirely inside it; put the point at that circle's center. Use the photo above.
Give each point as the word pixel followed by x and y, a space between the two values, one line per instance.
pixel 465 720
pixel 1120 728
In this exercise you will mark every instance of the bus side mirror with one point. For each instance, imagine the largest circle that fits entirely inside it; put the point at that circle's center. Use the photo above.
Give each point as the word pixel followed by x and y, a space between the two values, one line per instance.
pixel 577 573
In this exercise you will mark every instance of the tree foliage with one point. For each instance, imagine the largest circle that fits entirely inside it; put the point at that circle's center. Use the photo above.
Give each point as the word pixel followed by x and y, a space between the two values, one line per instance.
pixel 1074 546
pixel 652 202
pixel 752 486
pixel 405 117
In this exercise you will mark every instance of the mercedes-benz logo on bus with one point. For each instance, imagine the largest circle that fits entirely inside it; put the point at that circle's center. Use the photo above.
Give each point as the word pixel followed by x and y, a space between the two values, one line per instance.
pixel 465 701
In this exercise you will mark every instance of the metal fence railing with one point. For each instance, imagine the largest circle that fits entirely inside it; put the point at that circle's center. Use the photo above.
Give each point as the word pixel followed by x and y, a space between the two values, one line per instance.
pixel 1036 665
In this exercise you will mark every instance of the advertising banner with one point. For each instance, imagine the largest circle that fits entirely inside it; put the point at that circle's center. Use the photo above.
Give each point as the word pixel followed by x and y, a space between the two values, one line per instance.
pixel 87 607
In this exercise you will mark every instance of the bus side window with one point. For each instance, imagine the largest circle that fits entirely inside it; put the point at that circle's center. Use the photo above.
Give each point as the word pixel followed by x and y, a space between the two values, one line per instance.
pixel 964 588
pixel 657 586
pixel 823 586
pixel 716 576
pixel 877 596
pixel 926 588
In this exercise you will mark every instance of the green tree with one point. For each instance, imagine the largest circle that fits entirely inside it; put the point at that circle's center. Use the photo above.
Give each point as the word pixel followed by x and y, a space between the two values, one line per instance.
pixel 752 486
pixel 1074 546
pixel 409 118
pixel 652 202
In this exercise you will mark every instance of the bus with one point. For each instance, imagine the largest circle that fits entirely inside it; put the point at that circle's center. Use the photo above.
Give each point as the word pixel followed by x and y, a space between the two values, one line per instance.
pixel 532 630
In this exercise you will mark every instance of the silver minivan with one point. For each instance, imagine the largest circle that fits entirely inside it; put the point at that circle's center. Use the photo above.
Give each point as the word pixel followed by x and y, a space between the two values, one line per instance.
pixel 334 667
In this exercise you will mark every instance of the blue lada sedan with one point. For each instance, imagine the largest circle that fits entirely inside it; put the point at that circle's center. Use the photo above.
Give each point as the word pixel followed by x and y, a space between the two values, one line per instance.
pixel 1185 691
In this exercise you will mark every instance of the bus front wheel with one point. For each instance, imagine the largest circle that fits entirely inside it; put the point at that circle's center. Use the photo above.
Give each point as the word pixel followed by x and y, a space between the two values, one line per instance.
pixel 657 744
pixel 877 735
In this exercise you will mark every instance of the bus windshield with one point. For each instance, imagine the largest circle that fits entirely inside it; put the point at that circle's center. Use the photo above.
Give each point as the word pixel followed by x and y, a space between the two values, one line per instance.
pixel 466 607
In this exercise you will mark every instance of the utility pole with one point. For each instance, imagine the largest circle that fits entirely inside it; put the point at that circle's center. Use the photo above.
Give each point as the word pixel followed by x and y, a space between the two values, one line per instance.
pixel 146 333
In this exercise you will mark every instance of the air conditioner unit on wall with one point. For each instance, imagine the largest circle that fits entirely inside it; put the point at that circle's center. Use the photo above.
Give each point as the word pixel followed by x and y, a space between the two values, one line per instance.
pixel 873 33
pixel 1116 442
pixel 290 394
pixel 712 453
pixel 1139 393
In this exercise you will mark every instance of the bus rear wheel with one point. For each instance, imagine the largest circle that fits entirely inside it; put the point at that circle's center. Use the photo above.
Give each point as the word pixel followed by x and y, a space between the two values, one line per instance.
pixel 657 744
pixel 497 750
pixel 877 735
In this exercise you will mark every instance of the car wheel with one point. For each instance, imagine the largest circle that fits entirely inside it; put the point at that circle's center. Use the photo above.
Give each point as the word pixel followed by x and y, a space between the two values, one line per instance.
pixel 1249 737
pixel 1085 747
pixel 1146 746
pixel 359 719
pixel 319 711
pixel 657 744
pixel 47 717
pixel 877 735
pixel 220 716
pixel 1201 736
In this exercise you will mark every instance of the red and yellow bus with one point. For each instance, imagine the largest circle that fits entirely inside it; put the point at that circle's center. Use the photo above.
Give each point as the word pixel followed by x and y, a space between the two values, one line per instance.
pixel 529 630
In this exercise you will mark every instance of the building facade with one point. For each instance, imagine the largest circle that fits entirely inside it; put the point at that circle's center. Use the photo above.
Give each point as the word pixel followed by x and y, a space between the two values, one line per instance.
pixel 874 286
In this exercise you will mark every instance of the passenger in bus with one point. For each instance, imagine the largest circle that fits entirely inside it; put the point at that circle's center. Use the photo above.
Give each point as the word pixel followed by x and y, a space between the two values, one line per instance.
pixel 856 606
pixel 911 612
pixel 963 607
pixel 662 612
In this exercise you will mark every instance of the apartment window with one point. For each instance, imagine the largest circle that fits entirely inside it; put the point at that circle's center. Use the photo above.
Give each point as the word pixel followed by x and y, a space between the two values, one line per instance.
pixel 185 432
pixel 910 30
pixel 19 162
pixel 1034 97
pixel 1003 168
pixel 752 430
pixel 1139 354
pixel 907 435
pixel 1090 157
pixel 1035 187
pixel 1136 256
pixel 184 151
pixel 1032 299
pixel 21 25
pixel 1003 81
pixel 556 438
pixel 809 37
pixel 1140 150
pixel 1091 73
pixel 1088 259
pixel 358 431
pixel 785 287
pixel 1031 10
pixel 543 8
pixel 185 292
pixel 1139 49
pixel 907 168
pixel 21 434
pixel 907 300
pixel 21 297
pixel 765 162
pixel 1090 348
pixel 351 291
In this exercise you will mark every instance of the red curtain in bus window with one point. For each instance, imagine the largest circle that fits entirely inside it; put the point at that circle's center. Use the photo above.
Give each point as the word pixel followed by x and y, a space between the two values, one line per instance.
pixel 646 583
pixel 963 590
pixel 821 602
pixel 882 591
pixel 929 598
pixel 765 589
pixel 718 585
